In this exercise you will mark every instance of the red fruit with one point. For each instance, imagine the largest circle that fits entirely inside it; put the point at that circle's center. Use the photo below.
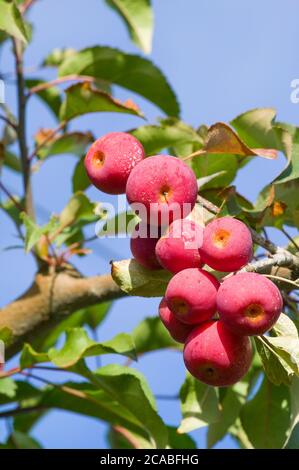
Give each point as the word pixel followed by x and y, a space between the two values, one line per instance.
pixel 110 160
pixel 191 295
pixel 227 244
pixel 249 303
pixel 178 248
pixel 178 331
pixel 143 244
pixel 217 356
pixel 164 187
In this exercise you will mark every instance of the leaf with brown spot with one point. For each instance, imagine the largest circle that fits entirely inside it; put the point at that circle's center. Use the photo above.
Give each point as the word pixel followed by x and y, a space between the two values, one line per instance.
pixel 278 208
pixel 223 139
pixel 83 98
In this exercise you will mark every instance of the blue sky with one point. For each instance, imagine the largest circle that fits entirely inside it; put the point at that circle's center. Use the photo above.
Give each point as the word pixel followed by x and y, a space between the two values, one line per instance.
pixel 222 58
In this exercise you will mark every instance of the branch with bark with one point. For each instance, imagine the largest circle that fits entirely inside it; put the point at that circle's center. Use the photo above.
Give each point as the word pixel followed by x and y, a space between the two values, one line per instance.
pixel 51 296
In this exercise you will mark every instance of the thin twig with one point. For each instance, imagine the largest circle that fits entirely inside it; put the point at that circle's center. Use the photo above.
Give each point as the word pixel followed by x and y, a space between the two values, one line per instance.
pixel 47 139
pixel 9 122
pixel 20 411
pixel 283 279
pixel 11 197
pixel 290 238
pixel 58 81
pixel 26 5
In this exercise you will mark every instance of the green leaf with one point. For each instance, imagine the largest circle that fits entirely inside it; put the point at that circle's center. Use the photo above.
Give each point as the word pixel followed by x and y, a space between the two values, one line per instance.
pixel 57 56
pixel 134 279
pixel 276 369
pixel 266 417
pixel 7 387
pixel 93 400
pixel 11 21
pixel 11 210
pixel 95 315
pixel 291 171
pixel 73 143
pixel 209 164
pixel 230 409
pixel 122 438
pixel 150 335
pixel 293 436
pixel 138 17
pixel 20 440
pixel 6 335
pixel 82 98
pixel 80 179
pixel 122 223
pixel 12 162
pixel 34 231
pixel 24 391
pixel 285 327
pixel 49 339
pixel 78 208
pixel 255 127
pixel 179 441
pixel 293 440
pixel 280 353
pixel 131 390
pixel 77 346
pixel 199 404
pixel 129 71
pixel 50 96
pixel 169 133
pixel 29 357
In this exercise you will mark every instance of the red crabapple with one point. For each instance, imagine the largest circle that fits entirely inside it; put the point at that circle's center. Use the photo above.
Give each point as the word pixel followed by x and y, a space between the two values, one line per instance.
pixel 191 295
pixel 227 244
pixel 178 331
pixel 143 244
pixel 217 356
pixel 165 186
pixel 110 160
pixel 249 303
pixel 178 248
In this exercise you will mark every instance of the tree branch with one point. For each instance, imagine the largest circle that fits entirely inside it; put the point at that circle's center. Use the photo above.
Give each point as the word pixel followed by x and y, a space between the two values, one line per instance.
pixel 47 140
pixel 280 259
pixel 22 141
pixel 11 197
pixel 51 296
pixel 58 81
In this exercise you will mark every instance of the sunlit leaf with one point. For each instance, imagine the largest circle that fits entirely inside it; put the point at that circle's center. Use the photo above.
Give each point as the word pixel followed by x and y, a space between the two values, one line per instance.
pixel 83 98
pixel 266 417
pixel 11 21
pixel 129 71
pixel 199 404
pixel 138 17
pixel 134 279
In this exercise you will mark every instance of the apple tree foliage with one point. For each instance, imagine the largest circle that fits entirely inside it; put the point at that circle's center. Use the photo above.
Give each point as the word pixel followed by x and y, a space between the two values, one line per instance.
pixel 261 411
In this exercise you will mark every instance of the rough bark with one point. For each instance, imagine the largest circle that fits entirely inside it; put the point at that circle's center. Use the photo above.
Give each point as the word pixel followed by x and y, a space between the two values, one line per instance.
pixel 50 296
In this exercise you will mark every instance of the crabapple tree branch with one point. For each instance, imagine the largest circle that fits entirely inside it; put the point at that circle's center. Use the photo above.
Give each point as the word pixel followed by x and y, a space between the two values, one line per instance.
pixel 50 297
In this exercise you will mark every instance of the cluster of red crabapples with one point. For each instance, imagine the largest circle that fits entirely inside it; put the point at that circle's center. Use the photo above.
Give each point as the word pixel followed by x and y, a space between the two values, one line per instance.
pixel 213 319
